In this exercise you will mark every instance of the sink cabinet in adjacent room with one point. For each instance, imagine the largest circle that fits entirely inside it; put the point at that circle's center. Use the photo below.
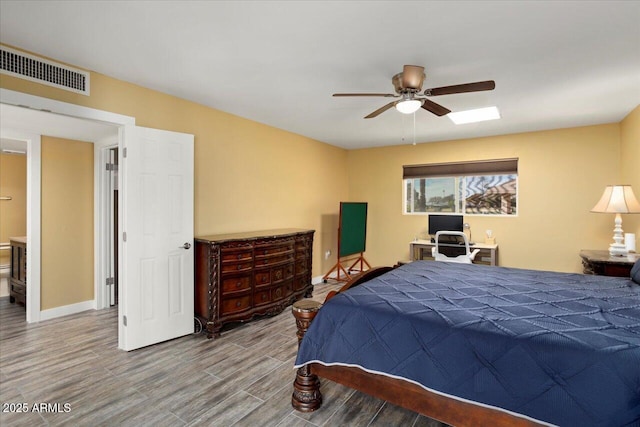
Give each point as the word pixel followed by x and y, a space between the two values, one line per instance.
pixel 18 276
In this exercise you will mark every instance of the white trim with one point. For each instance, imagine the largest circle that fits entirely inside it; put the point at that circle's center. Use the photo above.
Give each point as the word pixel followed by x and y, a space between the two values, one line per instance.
pixel 33 218
pixel 33 181
pixel 101 217
pixel 316 280
pixel 66 310
pixel 37 103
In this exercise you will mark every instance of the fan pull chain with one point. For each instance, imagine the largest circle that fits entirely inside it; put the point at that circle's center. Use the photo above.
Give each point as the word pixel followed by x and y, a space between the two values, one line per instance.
pixel 403 127
pixel 414 128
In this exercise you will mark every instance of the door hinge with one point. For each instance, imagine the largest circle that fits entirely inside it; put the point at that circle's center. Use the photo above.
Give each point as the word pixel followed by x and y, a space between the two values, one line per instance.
pixel 124 320
pixel 124 236
pixel 112 167
pixel 124 152
pixel 111 281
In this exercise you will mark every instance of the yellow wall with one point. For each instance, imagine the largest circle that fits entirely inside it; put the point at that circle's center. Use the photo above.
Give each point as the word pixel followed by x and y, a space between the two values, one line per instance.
pixel 13 213
pixel 248 176
pixel 67 222
pixel 630 166
pixel 562 174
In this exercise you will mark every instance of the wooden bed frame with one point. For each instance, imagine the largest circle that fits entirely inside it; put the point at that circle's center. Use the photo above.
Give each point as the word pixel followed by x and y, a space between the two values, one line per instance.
pixel 306 387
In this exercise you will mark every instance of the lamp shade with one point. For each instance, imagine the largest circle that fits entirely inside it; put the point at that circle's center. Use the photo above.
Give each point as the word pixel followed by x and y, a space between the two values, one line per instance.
pixel 617 199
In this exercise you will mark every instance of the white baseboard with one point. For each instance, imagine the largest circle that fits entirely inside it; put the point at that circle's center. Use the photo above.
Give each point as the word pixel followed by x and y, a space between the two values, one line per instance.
pixel 4 285
pixel 66 310
pixel 316 280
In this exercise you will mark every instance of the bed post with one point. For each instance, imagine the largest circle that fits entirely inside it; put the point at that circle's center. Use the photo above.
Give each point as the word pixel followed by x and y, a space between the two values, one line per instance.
pixel 306 387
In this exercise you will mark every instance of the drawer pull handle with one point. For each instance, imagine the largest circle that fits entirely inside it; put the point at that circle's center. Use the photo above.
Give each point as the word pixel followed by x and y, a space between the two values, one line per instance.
pixel 264 297
pixel 238 284
pixel 239 267
pixel 238 304
pixel 239 256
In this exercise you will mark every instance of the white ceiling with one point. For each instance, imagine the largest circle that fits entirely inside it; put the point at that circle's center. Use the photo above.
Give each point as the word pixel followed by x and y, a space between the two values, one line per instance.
pixel 556 64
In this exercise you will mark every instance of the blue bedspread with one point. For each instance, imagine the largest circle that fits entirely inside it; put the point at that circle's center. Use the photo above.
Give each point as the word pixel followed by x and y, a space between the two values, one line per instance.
pixel 561 348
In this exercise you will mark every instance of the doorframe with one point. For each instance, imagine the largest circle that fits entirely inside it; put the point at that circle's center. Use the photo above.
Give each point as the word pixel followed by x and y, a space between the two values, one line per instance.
pixel 32 304
pixel 102 217
pixel 20 99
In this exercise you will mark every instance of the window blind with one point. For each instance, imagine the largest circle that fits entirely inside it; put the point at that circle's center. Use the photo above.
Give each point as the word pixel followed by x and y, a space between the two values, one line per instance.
pixel 477 167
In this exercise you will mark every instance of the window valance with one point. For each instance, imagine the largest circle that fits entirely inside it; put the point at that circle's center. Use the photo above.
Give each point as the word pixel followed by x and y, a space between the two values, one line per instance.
pixel 476 167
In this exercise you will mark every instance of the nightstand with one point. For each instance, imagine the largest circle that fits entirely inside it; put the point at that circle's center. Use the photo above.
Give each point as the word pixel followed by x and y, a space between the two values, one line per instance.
pixel 603 264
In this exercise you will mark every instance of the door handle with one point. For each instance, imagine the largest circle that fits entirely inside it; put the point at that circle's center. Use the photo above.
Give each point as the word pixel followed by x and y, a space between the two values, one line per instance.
pixel 187 245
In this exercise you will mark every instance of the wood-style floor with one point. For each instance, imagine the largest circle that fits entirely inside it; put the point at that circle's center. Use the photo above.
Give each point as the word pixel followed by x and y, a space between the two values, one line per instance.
pixel 242 378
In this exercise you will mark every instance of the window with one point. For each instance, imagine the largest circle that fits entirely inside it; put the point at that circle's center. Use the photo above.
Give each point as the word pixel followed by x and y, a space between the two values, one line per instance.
pixel 487 187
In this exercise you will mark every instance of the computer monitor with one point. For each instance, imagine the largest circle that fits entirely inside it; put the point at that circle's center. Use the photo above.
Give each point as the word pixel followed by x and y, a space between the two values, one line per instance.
pixel 444 223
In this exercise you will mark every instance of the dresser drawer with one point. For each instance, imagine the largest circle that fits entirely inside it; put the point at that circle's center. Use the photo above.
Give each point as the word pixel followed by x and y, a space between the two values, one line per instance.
pixel 281 273
pixel 302 266
pixel 282 291
pixel 232 305
pixel 262 297
pixel 235 256
pixel 236 266
pixel 274 275
pixel 271 248
pixel 236 284
pixel 300 282
pixel 274 260
pixel 263 278
pixel 302 250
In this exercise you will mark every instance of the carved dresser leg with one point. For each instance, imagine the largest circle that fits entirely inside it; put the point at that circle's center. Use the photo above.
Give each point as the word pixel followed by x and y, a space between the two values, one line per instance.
pixel 306 387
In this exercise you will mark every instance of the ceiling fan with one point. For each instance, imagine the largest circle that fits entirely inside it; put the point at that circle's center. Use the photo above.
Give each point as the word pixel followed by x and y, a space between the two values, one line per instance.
pixel 408 85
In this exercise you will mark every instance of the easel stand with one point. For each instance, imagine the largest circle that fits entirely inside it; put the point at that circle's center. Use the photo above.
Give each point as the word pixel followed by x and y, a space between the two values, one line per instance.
pixel 339 268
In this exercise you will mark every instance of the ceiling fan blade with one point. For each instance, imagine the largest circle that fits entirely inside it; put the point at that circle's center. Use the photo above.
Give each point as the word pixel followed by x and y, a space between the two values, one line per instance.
pixel 466 87
pixel 381 110
pixel 412 77
pixel 436 109
pixel 386 95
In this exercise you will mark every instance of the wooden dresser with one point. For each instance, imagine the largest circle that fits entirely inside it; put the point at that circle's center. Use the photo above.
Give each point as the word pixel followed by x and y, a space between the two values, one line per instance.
pixel 242 275
pixel 18 277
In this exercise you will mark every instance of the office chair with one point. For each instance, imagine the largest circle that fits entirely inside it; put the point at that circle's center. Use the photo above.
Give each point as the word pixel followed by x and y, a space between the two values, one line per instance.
pixel 466 258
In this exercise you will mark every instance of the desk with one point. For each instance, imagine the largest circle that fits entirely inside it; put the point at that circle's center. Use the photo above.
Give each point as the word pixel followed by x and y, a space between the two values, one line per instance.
pixel 603 264
pixel 421 249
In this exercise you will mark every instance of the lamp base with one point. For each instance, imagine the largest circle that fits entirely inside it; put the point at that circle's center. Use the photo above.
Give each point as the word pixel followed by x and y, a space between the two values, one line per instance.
pixel 618 249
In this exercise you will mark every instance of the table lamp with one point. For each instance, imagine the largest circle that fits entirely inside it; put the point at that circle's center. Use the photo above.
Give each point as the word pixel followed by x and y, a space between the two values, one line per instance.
pixel 617 199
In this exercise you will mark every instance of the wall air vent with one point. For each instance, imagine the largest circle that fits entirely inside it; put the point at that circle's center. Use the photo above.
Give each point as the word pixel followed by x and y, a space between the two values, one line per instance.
pixel 29 67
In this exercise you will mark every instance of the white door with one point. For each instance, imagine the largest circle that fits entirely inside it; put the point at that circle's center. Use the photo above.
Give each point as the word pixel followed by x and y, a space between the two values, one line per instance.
pixel 156 193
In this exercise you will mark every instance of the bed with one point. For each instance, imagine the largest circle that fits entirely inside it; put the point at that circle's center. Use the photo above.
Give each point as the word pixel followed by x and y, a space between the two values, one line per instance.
pixel 473 345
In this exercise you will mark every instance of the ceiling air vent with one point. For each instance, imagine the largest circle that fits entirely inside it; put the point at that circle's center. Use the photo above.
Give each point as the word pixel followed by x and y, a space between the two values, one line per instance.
pixel 29 67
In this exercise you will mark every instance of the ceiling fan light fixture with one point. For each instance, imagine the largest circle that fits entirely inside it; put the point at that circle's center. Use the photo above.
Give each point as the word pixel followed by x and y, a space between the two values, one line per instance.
pixel 473 116
pixel 409 106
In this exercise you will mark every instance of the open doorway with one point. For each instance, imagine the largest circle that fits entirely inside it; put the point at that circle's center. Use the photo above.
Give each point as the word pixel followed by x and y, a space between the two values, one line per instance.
pixel 27 124
pixel 13 219
pixel 155 159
